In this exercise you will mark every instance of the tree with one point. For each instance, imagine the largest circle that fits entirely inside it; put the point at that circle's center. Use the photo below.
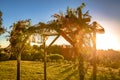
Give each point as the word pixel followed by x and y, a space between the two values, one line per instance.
pixel 2 30
pixel 18 37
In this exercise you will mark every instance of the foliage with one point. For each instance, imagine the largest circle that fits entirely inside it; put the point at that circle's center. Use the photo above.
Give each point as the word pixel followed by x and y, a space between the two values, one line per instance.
pixel 0 18
pixel 55 57
pixel 108 58
pixel 29 53
pixel 54 49
pixel 2 30
pixel 18 35
pixel 4 55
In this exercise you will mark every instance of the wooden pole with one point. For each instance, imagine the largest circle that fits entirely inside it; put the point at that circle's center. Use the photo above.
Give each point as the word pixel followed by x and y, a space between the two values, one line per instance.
pixel 45 59
pixel 81 67
pixel 94 53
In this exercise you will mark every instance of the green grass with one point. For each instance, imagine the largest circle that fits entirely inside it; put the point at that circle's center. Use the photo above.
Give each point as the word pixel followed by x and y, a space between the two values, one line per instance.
pixel 34 70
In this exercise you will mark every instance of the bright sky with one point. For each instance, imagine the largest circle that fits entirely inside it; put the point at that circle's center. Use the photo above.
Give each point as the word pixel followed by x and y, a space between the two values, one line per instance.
pixel 105 12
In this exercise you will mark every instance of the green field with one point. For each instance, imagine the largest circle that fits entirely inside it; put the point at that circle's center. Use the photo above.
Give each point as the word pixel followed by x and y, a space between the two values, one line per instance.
pixel 34 70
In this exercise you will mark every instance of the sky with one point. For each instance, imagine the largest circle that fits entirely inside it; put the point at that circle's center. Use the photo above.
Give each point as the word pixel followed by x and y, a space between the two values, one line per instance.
pixel 105 12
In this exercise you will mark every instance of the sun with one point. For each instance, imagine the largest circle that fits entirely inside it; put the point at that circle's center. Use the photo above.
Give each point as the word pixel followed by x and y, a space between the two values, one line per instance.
pixel 106 41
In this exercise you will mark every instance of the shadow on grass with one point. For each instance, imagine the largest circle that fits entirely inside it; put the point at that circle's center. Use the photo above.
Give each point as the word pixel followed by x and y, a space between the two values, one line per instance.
pixel 71 75
pixel 66 70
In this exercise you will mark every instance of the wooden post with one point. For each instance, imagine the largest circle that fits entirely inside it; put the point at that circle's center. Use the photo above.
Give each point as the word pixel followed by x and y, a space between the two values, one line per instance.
pixel 45 59
pixel 94 52
pixel 81 67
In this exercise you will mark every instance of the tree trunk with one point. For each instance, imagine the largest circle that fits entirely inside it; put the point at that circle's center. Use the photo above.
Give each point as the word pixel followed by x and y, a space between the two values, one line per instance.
pixel 18 65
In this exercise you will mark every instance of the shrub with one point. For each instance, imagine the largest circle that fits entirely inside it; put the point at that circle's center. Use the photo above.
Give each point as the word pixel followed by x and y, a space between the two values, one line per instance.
pixel 56 57
pixel 4 56
pixel 115 65
pixel 26 56
pixel 37 56
pixel 13 56
pixel 31 56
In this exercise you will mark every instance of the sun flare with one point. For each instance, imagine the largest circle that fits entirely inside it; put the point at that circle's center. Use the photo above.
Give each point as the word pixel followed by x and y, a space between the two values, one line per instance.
pixel 106 41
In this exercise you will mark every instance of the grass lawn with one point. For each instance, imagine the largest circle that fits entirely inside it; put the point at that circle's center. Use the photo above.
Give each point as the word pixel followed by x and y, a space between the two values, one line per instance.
pixel 33 70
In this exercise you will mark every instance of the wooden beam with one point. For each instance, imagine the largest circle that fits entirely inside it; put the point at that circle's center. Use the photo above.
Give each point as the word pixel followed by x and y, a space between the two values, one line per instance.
pixel 53 41
pixel 66 37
